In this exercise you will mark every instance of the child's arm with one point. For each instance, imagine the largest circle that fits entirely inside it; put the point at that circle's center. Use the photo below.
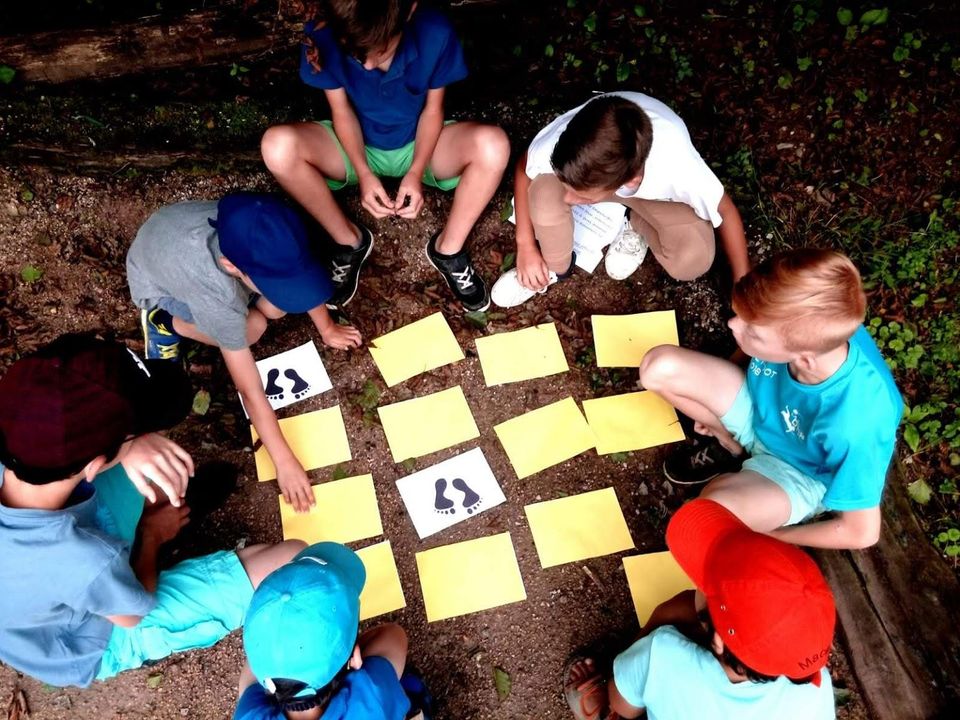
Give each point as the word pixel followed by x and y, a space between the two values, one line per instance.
pixel 152 458
pixel 847 530
pixel 733 237
pixel 341 337
pixel 428 132
pixel 345 124
pixel 291 478
pixel 680 610
pixel 532 271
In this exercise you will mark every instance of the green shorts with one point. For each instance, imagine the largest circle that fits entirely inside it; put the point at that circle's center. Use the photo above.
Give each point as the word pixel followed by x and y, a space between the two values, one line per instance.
pixel 805 493
pixel 199 602
pixel 385 163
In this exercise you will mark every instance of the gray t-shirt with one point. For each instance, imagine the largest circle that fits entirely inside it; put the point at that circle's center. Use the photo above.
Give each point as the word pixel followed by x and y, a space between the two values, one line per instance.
pixel 176 255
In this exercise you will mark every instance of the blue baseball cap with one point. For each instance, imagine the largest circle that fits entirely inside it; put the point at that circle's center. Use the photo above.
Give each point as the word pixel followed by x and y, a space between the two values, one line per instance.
pixel 266 239
pixel 303 619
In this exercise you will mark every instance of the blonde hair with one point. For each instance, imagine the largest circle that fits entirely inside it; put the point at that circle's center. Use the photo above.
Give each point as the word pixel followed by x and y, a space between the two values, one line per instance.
pixel 814 297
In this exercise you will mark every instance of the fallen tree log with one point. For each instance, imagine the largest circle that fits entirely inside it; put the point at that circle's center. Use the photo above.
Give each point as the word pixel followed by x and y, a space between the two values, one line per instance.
pixel 91 159
pixel 899 608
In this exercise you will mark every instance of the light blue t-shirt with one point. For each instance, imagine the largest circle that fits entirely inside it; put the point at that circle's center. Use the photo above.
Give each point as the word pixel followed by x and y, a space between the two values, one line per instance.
pixel 841 432
pixel 61 575
pixel 676 679
pixel 371 693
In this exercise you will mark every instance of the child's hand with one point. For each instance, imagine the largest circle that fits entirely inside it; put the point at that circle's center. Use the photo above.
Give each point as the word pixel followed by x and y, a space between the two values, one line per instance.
pixel 154 458
pixel 409 196
pixel 374 198
pixel 341 337
pixel 532 271
pixel 295 486
pixel 161 523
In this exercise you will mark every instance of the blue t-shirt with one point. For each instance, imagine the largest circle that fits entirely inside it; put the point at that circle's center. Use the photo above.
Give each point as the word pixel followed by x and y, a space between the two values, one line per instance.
pixel 388 104
pixel 676 679
pixel 841 432
pixel 371 693
pixel 61 576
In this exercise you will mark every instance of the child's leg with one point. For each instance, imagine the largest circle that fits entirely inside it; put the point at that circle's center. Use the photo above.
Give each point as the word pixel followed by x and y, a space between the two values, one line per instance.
pixel 478 154
pixel 301 157
pixel 684 244
pixel 552 222
pixel 388 641
pixel 256 325
pixel 758 501
pixel 700 386
pixel 262 559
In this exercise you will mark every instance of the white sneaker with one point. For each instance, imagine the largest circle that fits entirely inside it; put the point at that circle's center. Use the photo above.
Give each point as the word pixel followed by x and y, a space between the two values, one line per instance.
pixel 507 292
pixel 625 253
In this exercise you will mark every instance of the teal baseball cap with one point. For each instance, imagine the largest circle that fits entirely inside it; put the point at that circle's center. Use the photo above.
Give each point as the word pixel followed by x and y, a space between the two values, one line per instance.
pixel 301 626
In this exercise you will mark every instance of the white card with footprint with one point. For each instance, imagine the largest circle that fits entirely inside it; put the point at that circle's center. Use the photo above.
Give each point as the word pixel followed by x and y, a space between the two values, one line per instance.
pixel 450 492
pixel 292 376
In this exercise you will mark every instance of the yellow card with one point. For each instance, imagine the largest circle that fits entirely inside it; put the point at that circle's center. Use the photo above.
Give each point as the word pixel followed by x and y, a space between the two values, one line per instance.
pixel 470 576
pixel 426 424
pixel 533 352
pixel 413 349
pixel 623 340
pixel 545 436
pixel 382 593
pixel 317 438
pixel 346 510
pixel 632 422
pixel 578 527
pixel 653 578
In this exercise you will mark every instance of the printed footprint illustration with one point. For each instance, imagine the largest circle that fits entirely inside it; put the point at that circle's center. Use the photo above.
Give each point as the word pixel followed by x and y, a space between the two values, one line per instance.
pixel 443 505
pixel 470 499
pixel 300 386
pixel 272 390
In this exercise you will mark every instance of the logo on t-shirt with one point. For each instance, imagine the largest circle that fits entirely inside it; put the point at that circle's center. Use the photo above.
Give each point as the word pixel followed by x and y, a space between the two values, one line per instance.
pixel 791 418
pixel 759 368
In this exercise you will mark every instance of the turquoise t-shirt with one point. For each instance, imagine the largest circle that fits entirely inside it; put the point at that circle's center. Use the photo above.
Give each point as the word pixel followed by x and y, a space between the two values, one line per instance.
pixel 841 432
pixel 676 679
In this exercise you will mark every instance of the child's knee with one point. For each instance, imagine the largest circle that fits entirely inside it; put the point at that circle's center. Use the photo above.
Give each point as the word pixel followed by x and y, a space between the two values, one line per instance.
pixel 279 147
pixel 547 207
pixel 256 325
pixel 492 146
pixel 659 368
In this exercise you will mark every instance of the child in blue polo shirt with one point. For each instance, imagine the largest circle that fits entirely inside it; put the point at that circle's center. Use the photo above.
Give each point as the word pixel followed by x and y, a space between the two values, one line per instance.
pixel 383 66
pixel 305 659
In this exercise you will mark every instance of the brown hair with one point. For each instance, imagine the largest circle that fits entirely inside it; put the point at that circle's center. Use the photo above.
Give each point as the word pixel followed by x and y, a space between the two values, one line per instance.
pixel 814 296
pixel 604 145
pixel 365 26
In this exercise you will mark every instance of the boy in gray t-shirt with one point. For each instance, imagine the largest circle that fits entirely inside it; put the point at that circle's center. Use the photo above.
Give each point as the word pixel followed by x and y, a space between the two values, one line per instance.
pixel 216 272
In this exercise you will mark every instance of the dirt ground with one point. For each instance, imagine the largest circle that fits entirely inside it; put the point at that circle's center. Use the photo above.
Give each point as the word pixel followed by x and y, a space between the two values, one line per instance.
pixel 800 154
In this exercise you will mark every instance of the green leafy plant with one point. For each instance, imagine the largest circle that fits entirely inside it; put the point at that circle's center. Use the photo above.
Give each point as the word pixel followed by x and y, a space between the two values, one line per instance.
pixel 7 74
pixel 948 542
pixel 237 70
pixel 31 274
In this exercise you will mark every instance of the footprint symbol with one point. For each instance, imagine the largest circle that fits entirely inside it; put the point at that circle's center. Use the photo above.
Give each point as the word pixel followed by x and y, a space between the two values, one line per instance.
pixel 300 386
pixel 443 505
pixel 272 390
pixel 470 498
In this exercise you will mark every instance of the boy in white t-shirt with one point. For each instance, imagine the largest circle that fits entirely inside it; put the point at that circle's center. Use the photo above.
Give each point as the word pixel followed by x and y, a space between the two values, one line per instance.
pixel 628 148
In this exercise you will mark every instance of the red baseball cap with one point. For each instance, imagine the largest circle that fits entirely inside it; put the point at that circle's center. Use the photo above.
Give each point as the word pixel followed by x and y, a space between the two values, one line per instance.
pixel 81 397
pixel 767 599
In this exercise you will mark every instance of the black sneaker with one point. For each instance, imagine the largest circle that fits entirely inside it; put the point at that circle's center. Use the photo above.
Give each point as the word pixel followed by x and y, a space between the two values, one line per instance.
pixel 345 265
pixel 700 462
pixel 461 276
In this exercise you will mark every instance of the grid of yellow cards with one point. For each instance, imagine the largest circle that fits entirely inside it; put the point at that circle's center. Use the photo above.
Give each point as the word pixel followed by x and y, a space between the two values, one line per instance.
pixel 653 579
pixel 578 527
pixel 623 340
pixel 317 439
pixel 632 422
pixel 426 424
pixel 382 592
pixel 415 348
pixel 544 437
pixel 533 352
pixel 345 510
pixel 469 576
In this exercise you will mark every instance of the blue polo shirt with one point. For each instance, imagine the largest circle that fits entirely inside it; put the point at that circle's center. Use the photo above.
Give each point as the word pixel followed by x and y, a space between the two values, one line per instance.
pixel 388 104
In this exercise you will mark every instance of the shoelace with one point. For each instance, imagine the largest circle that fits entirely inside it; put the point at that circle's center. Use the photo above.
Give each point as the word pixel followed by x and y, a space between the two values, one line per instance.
pixel 464 279
pixel 339 272
pixel 701 459
pixel 168 352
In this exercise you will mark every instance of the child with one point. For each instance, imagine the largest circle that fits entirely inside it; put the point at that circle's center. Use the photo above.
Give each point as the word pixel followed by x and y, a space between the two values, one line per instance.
pixel 627 148
pixel 817 409
pixel 756 634
pixel 384 66
pixel 216 272
pixel 82 596
pixel 304 658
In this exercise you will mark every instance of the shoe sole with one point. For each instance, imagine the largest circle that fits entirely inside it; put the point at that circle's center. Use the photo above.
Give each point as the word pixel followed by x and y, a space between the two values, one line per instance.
pixel 356 285
pixel 146 334
pixel 687 483
pixel 426 251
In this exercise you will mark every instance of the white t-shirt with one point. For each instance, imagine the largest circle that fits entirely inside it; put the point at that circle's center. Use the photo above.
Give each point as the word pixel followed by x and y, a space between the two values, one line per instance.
pixel 674 170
